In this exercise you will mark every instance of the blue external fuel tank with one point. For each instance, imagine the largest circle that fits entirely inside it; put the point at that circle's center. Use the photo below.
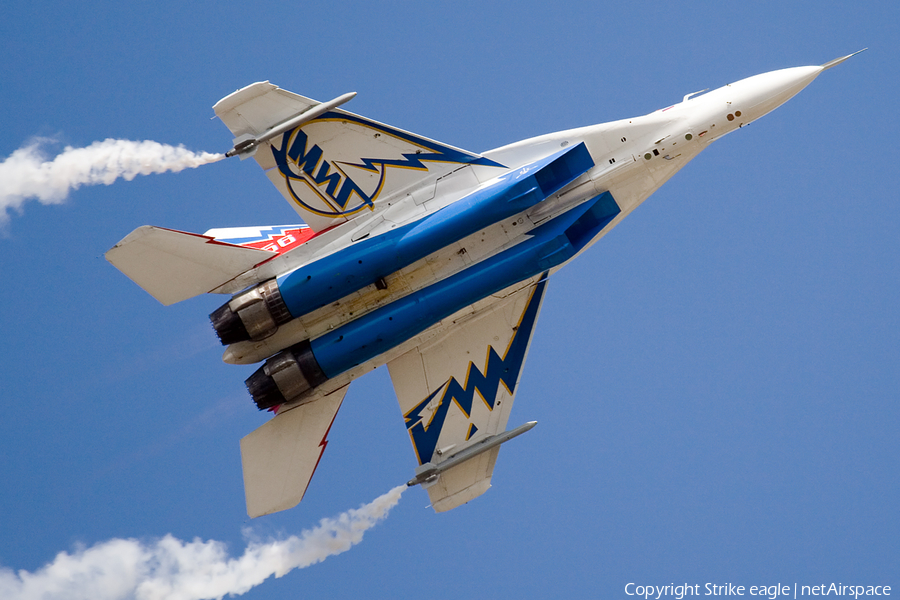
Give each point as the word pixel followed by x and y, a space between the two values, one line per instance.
pixel 372 334
pixel 257 313
pixel 368 260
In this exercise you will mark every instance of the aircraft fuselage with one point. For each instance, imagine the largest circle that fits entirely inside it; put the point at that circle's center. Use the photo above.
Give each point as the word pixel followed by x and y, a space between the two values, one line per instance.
pixel 353 309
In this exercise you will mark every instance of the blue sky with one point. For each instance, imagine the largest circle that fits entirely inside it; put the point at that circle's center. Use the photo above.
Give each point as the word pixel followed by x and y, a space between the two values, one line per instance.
pixel 715 383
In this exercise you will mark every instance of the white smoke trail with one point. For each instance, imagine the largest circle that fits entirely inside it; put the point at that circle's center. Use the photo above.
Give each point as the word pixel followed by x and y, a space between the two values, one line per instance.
pixel 27 173
pixel 171 569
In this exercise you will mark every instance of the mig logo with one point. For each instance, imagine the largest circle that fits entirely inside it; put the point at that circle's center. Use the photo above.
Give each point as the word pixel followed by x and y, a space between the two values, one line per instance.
pixel 328 169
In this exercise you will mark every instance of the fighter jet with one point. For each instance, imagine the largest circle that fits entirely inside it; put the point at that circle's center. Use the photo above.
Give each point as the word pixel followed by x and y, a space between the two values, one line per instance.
pixel 413 254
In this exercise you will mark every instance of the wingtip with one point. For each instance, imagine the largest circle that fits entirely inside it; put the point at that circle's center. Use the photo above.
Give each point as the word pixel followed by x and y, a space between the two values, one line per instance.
pixel 837 61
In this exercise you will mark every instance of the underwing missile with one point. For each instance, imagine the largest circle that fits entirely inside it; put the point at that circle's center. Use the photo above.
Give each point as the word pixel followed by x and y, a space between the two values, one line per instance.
pixel 428 473
pixel 247 146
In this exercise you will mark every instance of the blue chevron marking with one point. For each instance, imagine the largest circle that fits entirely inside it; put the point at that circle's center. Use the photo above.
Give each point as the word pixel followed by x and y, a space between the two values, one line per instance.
pixel 497 370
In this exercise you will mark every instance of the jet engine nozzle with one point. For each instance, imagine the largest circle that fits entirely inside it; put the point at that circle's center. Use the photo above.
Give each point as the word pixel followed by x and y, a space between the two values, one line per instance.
pixel 285 376
pixel 251 315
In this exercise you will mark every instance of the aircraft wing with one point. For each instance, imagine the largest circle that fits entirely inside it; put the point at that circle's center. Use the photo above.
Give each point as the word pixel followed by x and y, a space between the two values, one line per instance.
pixel 456 392
pixel 337 165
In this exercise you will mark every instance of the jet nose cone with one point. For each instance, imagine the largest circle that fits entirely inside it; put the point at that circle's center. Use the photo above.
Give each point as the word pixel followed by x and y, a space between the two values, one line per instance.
pixel 764 93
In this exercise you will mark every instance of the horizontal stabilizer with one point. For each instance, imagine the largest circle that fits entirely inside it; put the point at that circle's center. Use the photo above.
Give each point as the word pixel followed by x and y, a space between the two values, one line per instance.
pixel 280 457
pixel 174 265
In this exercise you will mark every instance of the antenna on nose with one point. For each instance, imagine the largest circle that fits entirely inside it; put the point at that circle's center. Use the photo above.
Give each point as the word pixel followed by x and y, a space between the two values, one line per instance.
pixel 691 95
pixel 837 61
